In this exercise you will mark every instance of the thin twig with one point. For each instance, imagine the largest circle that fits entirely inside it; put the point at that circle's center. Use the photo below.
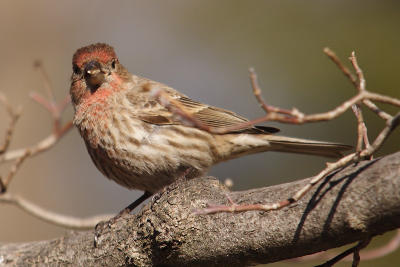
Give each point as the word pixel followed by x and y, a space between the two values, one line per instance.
pixel 361 80
pixel 353 80
pixel 49 103
pixel 14 116
pixel 64 103
pixel 343 68
pixel 355 249
pixel 257 93
pixel 38 64
pixel 55 109
pixel 389 247
pixel 42 102
pixel 356 257
pixel 362 140
pixel 14 168
pixel 52 217
pixel 41 146
pixel 382 114
pixel 360 120
pixel 19 156
pixel 58 130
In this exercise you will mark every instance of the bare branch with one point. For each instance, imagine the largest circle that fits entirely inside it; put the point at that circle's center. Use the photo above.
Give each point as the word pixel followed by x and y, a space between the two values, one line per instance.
pixel 353 80
pixel 59 129
pixel 389 247
pixel 361 80
pixel 14 168
pixel 41 146
pixel 19 156
pixel 14 116
pixel 52 217
pixel 355 250
pixel 341 66
pixel 260 99
pixel 38 64
pixel 362 140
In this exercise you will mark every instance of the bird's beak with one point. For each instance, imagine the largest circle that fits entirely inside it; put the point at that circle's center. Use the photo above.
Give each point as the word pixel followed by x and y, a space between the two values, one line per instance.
pixel 94 76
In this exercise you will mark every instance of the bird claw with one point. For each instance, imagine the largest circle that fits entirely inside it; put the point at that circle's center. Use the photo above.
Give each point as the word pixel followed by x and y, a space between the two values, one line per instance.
pixel 99 229
pixel 102 227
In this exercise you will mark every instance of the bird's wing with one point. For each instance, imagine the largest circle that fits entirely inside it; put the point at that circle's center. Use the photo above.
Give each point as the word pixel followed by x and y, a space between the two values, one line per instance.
pixel 210 116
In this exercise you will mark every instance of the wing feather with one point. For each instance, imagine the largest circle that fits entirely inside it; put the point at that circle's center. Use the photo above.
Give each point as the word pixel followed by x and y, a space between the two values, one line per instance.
pixel 211 116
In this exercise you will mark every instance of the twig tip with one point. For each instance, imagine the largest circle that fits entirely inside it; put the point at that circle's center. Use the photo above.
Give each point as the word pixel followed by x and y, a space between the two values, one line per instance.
pixel 37 63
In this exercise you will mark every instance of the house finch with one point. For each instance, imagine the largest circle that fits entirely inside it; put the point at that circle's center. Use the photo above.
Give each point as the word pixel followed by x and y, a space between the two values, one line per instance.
pixel 137 142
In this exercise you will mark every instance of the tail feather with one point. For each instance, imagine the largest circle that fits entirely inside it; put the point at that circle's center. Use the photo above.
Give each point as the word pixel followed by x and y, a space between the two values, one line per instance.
pixel 304 146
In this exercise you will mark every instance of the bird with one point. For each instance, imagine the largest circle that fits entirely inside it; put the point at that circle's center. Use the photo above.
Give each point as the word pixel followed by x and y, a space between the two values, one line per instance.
pixel 136 141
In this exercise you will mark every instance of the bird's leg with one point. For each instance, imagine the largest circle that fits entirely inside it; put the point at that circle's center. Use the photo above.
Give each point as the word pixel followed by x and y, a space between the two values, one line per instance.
pixel 131 206
pixel 101 225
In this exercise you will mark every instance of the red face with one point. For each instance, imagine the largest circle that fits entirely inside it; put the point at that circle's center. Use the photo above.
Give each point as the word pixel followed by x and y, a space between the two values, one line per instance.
pixel 93 67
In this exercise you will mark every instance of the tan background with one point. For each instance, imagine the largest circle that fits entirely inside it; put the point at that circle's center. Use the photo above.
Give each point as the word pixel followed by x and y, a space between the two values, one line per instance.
pixel 202 48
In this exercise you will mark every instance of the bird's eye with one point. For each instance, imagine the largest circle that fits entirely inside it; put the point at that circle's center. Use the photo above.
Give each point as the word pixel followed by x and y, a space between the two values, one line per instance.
pixel 113 63
pixel 76 69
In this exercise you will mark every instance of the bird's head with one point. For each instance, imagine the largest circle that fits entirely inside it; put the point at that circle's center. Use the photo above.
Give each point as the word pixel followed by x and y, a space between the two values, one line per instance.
pixel 95 67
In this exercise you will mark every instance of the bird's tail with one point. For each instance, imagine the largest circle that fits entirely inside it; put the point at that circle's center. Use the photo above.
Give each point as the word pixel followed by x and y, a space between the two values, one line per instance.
pixel 304 146
pixel 241 145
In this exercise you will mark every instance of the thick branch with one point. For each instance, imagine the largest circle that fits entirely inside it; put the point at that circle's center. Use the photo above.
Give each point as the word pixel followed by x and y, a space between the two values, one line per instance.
pixel 354 204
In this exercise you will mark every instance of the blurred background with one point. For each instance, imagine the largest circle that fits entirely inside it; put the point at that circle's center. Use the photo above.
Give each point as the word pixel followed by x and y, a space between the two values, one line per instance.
pixel 204 49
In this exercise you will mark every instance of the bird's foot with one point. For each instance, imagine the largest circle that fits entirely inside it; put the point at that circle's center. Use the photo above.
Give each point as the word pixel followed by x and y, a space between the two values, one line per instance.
pixel 104 226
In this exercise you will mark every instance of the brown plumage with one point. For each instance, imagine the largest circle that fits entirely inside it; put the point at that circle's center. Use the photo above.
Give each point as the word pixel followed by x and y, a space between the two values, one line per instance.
pixel 137 142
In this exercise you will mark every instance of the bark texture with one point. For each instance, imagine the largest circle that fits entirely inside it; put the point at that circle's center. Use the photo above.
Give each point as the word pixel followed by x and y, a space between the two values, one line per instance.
pixel 359 201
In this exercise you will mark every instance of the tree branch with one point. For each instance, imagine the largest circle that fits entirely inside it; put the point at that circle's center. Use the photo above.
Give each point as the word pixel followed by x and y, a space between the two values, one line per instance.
pixel 354 204
pixel 52 217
